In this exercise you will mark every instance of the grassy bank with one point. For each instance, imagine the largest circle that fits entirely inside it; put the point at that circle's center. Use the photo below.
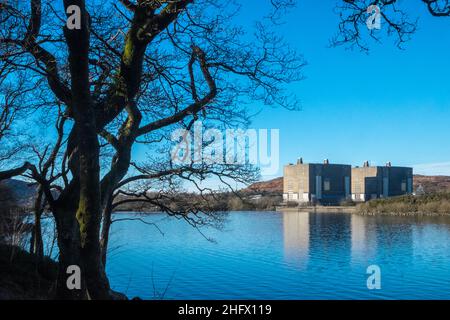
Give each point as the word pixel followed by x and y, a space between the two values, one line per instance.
pixel 429 204
pixel 21 278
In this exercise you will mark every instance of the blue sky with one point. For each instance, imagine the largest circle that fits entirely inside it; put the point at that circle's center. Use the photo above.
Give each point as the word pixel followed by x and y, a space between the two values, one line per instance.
pixel 391 105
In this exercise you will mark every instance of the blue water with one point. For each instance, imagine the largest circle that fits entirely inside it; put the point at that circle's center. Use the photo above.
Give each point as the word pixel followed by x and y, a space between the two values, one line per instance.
pixel 270 255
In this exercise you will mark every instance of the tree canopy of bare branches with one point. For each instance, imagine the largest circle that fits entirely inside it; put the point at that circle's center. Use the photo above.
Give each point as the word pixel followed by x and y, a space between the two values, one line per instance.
pixel 398 19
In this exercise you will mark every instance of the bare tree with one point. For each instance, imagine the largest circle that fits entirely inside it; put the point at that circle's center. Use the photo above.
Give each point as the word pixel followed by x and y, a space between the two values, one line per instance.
pixel 12 106
pixel 14 227
pixel 47 156
pixel 353 31
pixel 164 186
pixel 130 74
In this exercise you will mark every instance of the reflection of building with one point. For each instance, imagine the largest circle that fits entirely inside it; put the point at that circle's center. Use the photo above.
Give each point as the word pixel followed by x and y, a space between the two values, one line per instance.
pixel 324 183
pixel 296 236
pixel 364 240
pixel 374 235
pixel 380 182
pixel 331 239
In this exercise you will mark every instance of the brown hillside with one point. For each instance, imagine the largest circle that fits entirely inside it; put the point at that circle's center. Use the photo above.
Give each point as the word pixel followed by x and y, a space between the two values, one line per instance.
pixel 429 184
pixel 432 183
pixel 271 186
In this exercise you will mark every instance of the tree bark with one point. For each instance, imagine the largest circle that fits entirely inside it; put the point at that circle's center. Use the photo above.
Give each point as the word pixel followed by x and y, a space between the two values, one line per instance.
pixel 14 172
pixel 109 183
pixel 88 212
pixel 37 244
pixel 69 245
pixel 104 240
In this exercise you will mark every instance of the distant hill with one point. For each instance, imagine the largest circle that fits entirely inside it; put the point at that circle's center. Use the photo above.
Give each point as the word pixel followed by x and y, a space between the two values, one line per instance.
pixel 271 186
pixel 22 191
pixel 430 184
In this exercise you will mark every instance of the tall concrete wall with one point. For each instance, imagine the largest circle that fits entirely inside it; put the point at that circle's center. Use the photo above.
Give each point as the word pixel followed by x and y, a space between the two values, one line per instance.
pixel 326 183
pixel 332 183
pixel 296 183
pixel 379 182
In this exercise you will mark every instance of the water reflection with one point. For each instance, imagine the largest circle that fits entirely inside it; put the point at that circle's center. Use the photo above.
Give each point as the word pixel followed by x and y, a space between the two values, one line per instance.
pixel 353 238
pixel 364 238
pixel 308 235
pixel 296 237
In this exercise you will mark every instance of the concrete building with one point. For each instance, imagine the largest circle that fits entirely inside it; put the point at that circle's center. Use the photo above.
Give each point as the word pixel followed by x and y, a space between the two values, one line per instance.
pixel 317 183
pixel 380 182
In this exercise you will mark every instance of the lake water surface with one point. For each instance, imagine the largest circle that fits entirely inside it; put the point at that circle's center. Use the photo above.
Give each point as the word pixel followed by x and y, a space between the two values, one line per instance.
pixel 274 255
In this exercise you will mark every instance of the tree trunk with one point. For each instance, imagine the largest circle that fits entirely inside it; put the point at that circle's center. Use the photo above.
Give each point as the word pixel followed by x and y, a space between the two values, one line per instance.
pixel 108 185
pixel 69 245
pixel 88 214
pixel 89 209
pixel 105 230
pixel 36 243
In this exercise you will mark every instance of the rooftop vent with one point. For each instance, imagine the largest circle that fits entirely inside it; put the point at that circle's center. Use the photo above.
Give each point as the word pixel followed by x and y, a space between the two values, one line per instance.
pixel 300 161
pixel 326 161
pixel 366 164
pixel 389 164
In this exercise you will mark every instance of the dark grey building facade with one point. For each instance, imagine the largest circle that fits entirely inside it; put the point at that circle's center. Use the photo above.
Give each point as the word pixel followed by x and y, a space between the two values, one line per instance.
pixel 317 183
pixel 372 182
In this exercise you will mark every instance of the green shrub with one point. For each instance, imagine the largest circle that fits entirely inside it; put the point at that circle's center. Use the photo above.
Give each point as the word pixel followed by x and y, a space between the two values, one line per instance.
pixel 429 204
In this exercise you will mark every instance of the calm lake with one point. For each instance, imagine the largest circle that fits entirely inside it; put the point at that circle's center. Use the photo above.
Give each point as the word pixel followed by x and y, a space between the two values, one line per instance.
pixel 274 255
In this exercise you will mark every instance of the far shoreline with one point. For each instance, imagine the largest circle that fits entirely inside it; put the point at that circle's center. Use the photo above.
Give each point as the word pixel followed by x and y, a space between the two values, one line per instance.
pixel 331 209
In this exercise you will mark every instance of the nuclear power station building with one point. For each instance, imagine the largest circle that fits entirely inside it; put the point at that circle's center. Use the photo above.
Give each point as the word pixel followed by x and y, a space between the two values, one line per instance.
pixel 331 184
pixel 317 182
pixel 380 182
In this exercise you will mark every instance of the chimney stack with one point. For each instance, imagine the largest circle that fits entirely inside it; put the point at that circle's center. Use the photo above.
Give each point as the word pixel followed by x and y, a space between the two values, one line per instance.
pixel 326 161
pixel 366 164
pixel 300 161
pixel 389 164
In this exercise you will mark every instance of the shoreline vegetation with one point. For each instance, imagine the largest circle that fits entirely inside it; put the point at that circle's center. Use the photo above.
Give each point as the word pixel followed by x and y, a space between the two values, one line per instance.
pixel 434 204
pixel 227 201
